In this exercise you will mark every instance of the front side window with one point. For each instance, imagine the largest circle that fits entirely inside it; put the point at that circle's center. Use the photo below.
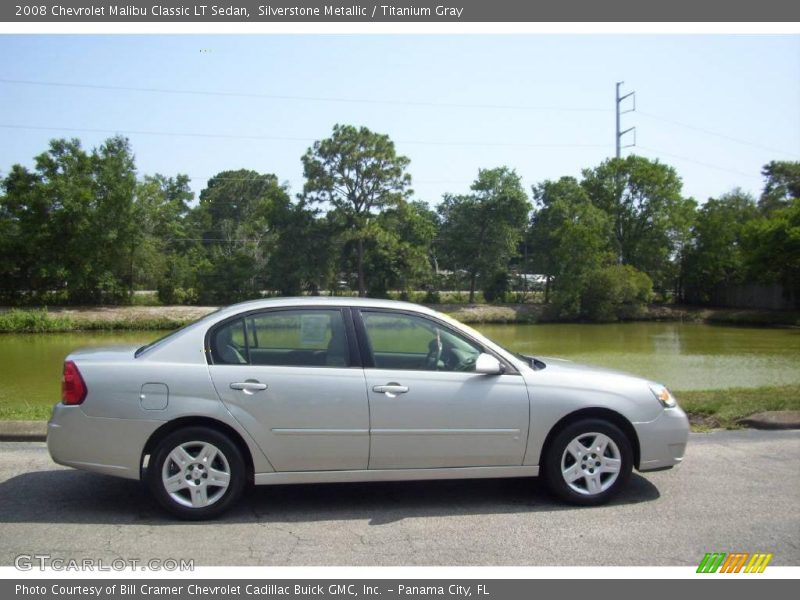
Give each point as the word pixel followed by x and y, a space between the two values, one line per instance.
pixel 297 338
pixel 402 341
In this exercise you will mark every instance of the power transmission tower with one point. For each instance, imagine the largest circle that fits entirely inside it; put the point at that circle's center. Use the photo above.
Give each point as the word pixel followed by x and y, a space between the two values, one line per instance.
pixel 619 135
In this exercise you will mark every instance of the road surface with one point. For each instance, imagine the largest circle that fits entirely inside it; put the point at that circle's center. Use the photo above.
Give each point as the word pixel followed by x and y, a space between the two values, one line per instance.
pixel 736 491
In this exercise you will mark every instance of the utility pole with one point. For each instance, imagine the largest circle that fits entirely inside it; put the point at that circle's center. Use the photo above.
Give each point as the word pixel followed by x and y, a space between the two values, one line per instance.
pixel 619 134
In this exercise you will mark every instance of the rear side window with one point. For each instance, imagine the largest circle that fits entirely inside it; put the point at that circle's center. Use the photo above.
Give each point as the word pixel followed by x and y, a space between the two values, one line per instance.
pixel 228 345
pixel 311 338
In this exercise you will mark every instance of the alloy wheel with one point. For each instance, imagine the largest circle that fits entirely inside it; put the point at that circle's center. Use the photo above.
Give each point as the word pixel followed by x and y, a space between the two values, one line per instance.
pixel 196 474
pixel 591 463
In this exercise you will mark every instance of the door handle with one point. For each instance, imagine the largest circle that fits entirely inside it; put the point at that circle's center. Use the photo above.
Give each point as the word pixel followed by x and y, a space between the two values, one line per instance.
pixel 249 387
pixel 390 389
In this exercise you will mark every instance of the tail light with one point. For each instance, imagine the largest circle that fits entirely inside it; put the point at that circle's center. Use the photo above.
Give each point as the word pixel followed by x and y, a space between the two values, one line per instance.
pixel 73 388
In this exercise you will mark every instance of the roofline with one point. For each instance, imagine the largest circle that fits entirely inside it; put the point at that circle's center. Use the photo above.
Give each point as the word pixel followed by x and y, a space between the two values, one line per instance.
pixel 323 300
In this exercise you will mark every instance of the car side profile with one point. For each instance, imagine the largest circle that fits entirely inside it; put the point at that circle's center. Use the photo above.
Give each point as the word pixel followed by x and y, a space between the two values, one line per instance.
pixel 316 390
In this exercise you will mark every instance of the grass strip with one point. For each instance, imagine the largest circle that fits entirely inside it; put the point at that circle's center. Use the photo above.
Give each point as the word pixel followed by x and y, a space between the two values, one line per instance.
pixel 709 409
pixel 40 320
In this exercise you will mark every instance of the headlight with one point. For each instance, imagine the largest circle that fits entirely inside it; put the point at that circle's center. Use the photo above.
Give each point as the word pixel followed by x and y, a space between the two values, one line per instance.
pixel 663 395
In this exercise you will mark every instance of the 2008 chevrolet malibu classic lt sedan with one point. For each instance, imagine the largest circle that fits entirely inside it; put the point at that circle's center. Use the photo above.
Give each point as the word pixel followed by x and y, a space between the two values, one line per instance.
pixel 315 390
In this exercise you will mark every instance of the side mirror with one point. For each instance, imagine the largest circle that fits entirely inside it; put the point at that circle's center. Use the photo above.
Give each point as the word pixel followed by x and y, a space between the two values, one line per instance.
pixel 488 365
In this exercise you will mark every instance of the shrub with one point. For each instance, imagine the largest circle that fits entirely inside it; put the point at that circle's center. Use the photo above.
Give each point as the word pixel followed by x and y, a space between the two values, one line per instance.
pixel 614 293
pixel 33 321
pixel 145 299
pixel 497 287
pixel 432 297
pixel 169 294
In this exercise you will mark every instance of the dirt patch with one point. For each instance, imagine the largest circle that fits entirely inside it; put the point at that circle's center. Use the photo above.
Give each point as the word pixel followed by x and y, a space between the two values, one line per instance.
pixel 704 421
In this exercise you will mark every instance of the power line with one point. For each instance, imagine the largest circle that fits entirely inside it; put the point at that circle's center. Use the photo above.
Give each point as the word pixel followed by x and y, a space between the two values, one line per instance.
pixel 697 162
pixel 287 138
pixel 715 133
pixel 425 104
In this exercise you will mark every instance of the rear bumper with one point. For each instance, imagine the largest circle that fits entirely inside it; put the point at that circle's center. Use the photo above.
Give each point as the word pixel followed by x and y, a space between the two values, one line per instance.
pixel 663 440
pixel 98 444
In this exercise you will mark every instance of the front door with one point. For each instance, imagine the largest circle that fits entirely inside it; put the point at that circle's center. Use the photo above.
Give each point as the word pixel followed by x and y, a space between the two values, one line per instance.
pixel 289 378
pixel 428 408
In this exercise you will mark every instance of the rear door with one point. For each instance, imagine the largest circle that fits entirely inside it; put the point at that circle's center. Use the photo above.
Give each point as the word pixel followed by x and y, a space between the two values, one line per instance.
pixel 428 408
pixel 292 379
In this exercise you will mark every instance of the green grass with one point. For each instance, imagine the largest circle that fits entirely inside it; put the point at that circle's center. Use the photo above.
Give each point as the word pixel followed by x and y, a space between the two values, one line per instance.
pixel 40 320
pixel 34 321
pixel 24 412
pixel 723 408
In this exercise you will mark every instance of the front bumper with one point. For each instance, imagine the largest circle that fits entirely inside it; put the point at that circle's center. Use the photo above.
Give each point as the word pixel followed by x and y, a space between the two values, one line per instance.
pixel 662 441
pixel 98 444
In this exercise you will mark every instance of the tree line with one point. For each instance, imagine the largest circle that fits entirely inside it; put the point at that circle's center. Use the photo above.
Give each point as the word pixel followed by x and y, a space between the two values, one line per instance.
pixel 82 227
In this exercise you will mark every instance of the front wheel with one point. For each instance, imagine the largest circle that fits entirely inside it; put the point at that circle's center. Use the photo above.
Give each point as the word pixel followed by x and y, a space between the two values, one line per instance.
pixel 196 473
pixel 588 462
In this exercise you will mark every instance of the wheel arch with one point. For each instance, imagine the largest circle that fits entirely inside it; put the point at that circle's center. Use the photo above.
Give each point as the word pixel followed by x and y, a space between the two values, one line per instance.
pixel 195 421
pixel 594 413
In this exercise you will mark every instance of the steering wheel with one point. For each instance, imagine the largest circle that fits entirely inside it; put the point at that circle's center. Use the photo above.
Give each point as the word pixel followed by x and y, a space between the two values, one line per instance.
pixel 468 364
pixel 434 354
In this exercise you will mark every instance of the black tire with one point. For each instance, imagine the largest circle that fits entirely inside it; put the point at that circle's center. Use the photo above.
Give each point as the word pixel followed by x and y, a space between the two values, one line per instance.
pixel 227 459
pixel 594 485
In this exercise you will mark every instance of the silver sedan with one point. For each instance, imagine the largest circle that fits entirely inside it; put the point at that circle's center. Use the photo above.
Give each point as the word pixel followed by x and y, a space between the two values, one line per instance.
pixel 316 390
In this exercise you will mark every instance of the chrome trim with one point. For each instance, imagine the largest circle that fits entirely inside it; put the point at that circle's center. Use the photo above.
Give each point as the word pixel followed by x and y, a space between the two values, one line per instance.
pixel 290 431
pixel 446 431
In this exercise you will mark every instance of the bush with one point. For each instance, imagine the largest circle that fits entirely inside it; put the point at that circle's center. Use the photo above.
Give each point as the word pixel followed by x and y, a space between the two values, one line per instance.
pixel 169 294
pixel 33 321
pixel 615 293
pixel 432 297
pixel 497 287
pixel 145 299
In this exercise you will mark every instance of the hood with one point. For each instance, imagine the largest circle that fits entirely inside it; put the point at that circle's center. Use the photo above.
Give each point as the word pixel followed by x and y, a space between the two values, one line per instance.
pixel 564 364
pixel 577 374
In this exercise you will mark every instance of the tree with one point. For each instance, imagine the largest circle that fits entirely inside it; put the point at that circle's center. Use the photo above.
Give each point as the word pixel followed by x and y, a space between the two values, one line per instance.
pixel 358 173
pixel 116 221
pixel 26 245
pixel 161 254
pixel 238 219
pixel 651 218
pixel 569 239
pixel 716 256
pixel 772 248
pixel 782 185
pixel 73 222
pixel 305 254
pixel 480 232
pixel 398 257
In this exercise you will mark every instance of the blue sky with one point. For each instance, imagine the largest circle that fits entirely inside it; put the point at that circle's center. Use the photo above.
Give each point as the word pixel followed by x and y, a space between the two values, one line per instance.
pixel 716 107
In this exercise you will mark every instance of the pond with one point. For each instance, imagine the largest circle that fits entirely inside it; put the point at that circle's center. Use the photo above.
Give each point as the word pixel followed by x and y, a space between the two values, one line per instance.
pixel 684 356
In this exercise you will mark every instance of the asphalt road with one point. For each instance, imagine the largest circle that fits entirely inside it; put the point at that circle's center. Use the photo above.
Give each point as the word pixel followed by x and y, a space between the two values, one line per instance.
pixel 736 491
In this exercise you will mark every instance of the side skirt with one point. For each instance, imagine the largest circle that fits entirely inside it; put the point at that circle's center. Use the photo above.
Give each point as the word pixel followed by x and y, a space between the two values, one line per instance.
pixel 393 475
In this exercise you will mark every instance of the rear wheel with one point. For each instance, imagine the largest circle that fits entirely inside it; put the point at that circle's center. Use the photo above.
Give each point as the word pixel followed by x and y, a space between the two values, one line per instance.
pixel 588 462
pixel 196 473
